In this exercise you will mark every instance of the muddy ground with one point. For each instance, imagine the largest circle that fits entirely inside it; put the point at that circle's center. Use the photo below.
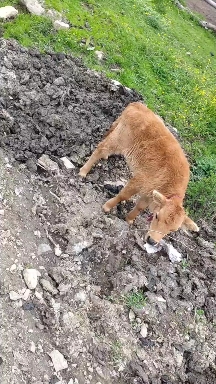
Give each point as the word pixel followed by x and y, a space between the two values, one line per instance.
pixel 51 104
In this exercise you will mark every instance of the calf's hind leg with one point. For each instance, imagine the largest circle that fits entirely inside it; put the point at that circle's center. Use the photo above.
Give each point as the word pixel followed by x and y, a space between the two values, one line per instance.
pixel 141 205
pixel 131 188
pixel 105 148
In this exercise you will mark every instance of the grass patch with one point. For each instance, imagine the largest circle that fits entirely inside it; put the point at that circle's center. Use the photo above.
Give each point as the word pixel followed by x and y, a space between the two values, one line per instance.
pixel 135 300
pixel 161 52
pixel 116 352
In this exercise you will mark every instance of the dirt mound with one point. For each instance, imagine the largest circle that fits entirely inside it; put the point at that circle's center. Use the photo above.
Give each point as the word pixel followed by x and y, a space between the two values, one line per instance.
pixel 52 104
pixel 55 104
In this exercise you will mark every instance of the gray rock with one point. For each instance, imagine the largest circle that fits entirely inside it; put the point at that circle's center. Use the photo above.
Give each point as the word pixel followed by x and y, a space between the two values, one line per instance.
pixel 80 296
pixel 30 276
pixel 99 55
pixel 8 12
pixel 59 81
pixel 67 163
pixel 131 315
pixel 14 295
pixel 58 360
pixel 76 249
pixel 46 163
pixel 64 288
pixel 60 25
pixel 47 286
pixel 44 248
pixel 34 7
pixel 144 330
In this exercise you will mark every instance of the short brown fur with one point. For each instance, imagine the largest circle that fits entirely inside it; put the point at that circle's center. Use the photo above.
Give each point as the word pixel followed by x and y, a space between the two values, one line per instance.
pixel 158 164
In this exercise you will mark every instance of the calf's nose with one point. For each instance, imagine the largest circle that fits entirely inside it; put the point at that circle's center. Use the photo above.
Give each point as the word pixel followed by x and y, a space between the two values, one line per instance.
pixel 150 241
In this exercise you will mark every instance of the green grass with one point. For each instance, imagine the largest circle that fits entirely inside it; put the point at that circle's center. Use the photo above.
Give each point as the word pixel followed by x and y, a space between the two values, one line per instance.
pixel 116 352
pixel 135 300
pixel 161 52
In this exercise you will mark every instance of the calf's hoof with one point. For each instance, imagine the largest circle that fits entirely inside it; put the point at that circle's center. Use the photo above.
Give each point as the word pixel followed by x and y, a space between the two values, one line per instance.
pixel 82 172
pixel 106 208
pixel 129 221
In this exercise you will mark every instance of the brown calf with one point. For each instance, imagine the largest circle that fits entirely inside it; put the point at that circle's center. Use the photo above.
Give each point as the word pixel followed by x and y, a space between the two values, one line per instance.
pixel 159 167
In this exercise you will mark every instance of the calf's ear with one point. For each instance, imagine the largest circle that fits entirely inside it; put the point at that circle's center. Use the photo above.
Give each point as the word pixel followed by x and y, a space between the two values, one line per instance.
pixel 189 224
pixel 158 198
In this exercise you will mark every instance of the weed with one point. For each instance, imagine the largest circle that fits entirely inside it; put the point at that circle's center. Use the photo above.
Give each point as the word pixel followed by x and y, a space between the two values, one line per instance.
pixel 116 352
pixel 135 300
pixel 184 264
pixel 200 315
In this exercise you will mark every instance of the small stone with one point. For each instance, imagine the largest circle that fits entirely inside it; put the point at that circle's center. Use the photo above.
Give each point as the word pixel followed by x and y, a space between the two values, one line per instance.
pixel 30 276
pixel 58 360
pixel 32 347
pixel 114 86
pixel 80 296
pixel 64 288
pixel 99 55
pixel 71 381
pixel 46 163
pixel 78 248
pixel 67 163
pixel 8 12
pixel 144 330
pixel 38 234
pixel 60 25
pixel 29 306
pixel 44 248
pixel 57 250
pixel 14 295
pixel 100 372
pixel 1 212
pixel 13 268
pixel 47 286
pixel 178 357
pixel 26 294
pixel 34 7
pixel 131 316
pixel 38 295
pixel 59 81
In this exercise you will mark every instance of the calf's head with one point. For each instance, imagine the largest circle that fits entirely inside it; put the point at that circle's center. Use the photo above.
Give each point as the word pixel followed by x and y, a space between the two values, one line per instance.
pixel 169 215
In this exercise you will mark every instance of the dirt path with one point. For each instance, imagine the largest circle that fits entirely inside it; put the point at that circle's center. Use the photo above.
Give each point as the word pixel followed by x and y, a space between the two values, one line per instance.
pixel 52 104
pixel 204 9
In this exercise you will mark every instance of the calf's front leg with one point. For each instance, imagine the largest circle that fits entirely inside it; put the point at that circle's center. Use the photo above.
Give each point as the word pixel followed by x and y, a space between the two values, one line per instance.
pixel 131 188
pixel 141 205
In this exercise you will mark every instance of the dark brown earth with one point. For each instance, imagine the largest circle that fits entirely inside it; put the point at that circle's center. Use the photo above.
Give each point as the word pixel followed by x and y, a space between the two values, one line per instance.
pixel 204 9
pixel 52 104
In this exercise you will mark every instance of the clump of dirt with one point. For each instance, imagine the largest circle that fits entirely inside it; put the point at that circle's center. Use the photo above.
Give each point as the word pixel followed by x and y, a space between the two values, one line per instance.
pixel 57 106
pixel 117 314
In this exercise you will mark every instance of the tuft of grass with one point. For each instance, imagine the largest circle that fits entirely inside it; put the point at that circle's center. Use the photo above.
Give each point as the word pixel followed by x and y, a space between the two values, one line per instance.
pixel 135 300
pixel 184 264
pixel 116 352
pixel 161 52
pixel 200 315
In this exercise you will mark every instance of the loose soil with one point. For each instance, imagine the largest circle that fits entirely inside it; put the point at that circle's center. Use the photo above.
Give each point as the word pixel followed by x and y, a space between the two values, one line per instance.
pixel 51 104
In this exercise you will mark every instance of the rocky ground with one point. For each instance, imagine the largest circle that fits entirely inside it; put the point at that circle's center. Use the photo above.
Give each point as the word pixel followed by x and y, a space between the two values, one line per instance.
pixel 81 300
